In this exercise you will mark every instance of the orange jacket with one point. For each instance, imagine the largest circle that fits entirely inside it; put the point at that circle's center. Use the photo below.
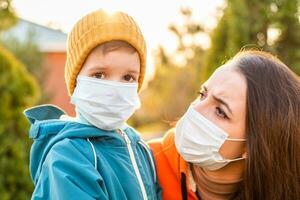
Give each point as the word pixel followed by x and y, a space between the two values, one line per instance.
pixel 172 170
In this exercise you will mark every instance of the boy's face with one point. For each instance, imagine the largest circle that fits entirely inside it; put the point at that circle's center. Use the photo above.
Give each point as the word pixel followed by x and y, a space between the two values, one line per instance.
pixel 119 65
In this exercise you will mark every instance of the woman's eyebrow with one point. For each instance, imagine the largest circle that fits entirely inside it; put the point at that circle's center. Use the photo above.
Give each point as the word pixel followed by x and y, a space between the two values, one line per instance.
pixel 220 100
pixel 223 102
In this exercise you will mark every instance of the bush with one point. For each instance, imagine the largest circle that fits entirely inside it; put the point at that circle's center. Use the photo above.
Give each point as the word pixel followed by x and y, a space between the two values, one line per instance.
pixel 18 90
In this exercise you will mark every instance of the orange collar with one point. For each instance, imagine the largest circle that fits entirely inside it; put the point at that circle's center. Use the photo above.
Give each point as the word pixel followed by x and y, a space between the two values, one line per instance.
pixel 177 163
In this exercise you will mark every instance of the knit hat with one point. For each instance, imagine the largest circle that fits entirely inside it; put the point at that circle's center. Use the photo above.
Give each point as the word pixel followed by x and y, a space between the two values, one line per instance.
pixel 94 29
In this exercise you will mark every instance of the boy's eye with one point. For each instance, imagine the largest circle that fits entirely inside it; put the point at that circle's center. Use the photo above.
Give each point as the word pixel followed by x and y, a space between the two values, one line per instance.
pixel 99 75
pixel 221 113
pixel 129 78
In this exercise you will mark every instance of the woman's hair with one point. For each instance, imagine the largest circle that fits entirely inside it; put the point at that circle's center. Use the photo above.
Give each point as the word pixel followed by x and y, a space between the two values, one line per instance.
pixel 272 128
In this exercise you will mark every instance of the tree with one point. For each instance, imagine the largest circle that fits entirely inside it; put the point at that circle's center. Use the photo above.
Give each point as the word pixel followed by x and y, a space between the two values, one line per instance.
pixel 18 90
pixel 175 85
pixel 28 53
pixel 7 15
pixel 271 25
pixel 287 21
pixel 250 23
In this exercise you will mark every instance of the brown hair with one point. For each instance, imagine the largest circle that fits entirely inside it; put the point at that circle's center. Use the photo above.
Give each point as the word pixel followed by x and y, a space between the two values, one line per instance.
pixel 272 128
pixel 114 45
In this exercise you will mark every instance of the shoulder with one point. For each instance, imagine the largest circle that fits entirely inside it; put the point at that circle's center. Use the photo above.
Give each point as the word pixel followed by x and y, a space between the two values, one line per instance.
pixel 160 145
pixel 155 145
pixel 64 159
pixel 70 151
pixel 165 154
pixel 132 133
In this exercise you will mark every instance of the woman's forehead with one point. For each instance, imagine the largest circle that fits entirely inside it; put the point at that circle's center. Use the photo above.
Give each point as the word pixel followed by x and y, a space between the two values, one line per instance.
pixel 227 75
pixel 227 82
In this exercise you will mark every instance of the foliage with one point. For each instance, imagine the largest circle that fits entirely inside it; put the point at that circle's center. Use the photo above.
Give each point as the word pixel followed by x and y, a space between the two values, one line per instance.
pixel 18 90
pixel 271 25
pixel 264 24
pixel 7 15
pixel 174 86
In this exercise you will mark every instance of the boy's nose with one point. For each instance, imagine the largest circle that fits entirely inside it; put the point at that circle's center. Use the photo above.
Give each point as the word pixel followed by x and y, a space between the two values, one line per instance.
pixel 115 78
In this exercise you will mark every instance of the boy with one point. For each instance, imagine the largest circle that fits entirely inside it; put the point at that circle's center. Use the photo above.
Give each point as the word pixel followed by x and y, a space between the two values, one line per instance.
pixel 96 155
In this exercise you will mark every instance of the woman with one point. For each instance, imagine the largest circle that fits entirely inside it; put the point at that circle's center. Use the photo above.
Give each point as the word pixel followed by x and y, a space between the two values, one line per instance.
pixel 239 139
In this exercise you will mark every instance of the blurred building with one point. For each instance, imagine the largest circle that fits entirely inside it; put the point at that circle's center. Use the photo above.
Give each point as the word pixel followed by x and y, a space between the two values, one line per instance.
pixel 52 43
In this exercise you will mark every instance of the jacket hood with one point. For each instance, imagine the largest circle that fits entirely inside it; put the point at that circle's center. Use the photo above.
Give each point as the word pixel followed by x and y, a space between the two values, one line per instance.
pixel 47 128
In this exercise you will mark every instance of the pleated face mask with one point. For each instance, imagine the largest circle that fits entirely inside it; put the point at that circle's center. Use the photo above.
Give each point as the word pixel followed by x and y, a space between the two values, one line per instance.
pixel 105 104
pixel 198 141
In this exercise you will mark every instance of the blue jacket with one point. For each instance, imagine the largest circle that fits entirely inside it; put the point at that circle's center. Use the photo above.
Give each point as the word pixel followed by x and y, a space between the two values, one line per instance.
pixel 71 160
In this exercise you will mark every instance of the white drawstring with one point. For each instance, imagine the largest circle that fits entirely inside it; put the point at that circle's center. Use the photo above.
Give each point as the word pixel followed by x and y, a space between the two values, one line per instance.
pixel 95 155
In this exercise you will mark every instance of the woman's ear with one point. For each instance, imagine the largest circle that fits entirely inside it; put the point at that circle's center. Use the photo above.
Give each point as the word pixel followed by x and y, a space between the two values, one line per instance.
pixel 244 155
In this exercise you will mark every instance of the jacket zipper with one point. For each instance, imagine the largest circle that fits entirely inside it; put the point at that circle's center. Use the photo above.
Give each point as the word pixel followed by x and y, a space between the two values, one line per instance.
pixel 133 161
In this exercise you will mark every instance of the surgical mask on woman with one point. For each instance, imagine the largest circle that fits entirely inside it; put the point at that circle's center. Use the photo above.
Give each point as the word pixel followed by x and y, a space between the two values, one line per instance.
pixel 198 141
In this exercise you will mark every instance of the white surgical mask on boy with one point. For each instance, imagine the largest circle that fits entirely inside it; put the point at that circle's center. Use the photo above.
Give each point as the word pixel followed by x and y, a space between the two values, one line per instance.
pixel 198 141
pixel 103 103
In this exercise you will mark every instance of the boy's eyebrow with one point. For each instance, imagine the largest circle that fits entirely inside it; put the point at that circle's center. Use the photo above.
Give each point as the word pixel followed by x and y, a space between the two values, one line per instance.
pixel 133 72
pixel 99 67
pixel 96 67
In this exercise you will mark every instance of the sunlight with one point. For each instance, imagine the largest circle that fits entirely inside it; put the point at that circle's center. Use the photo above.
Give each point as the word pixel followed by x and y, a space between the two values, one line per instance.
pixel 153 17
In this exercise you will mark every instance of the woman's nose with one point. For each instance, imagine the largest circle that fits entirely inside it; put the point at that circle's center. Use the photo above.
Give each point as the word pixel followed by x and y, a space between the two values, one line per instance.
pixel 202 106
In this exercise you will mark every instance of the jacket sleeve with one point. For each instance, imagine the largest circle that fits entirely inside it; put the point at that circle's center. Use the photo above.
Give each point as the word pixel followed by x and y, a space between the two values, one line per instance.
pixel 158 190
pixel 68 173
pixel 155 146
pixel 157 185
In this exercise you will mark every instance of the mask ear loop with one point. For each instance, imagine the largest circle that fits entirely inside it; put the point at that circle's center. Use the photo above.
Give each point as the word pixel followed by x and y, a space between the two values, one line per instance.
pixel 235 159
pixel 231 160
pixel 236 140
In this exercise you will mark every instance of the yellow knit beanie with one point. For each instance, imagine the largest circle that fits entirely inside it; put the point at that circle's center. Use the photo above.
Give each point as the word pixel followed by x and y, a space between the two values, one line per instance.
pixel 94 29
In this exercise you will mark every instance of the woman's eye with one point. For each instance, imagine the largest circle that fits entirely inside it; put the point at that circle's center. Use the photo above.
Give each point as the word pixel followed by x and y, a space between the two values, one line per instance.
pixel 99 75
pixel 201 95
pixel 221 113
pixel 129 78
